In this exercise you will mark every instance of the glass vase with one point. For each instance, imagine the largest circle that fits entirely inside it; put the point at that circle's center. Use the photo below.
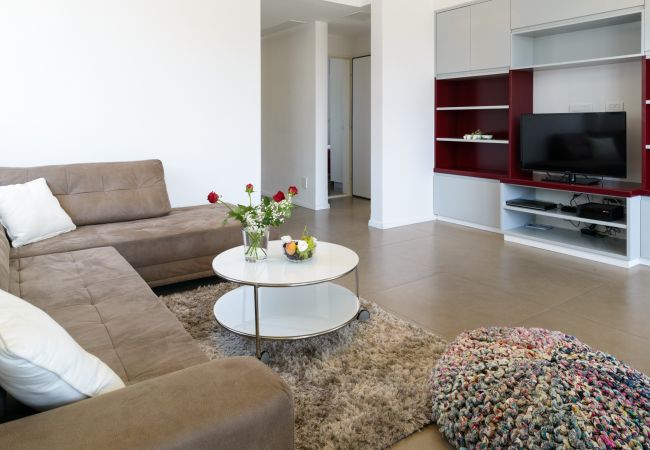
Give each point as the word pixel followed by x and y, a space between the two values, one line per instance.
pixel 256 244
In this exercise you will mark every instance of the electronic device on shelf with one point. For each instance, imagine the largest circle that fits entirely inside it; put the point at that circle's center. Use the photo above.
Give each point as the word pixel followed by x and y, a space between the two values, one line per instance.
pixel 531 204
pixel 592 231
pixel 538 226
pixel 601 211
pixel 575 144
pixel 569 209
pixel 572 178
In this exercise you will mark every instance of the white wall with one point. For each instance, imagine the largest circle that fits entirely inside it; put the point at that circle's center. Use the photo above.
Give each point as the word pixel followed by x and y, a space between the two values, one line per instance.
pixel 555 90
pixel 346 46
pixel 294 113
pixel 99 80
pixel 402 112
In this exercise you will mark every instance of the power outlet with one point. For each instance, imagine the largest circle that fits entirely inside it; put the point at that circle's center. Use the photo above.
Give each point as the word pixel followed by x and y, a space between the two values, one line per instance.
pixel 581 107
pixel 615 106
pixel 305 182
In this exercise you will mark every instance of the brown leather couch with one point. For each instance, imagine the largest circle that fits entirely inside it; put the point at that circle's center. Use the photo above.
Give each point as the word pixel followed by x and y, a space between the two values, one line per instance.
pixel 86 281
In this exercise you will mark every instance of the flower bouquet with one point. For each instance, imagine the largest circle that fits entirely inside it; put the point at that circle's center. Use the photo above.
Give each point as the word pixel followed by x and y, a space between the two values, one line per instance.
pixel 256 219
pixel 301 250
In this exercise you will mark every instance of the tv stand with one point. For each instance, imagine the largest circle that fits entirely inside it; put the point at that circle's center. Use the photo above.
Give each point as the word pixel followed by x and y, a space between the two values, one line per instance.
pixel 615 243
pixel 572 178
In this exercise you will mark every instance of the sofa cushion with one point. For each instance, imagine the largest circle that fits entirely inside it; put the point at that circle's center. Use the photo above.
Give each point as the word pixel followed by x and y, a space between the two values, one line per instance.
pixel 97 297
pixel 41 365
pixel 4 260
pixel 101 192
pixel 184 235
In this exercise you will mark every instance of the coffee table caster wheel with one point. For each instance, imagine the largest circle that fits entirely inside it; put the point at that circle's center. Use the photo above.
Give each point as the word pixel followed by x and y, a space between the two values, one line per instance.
pixel 363 315
pixel 265 357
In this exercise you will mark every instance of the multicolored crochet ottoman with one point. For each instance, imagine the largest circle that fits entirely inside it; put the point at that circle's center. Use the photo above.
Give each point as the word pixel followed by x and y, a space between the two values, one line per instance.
pixel 537 389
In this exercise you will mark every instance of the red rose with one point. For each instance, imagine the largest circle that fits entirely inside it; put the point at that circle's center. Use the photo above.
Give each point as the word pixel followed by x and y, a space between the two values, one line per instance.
pixel 279 197
pixel 293 190
pixel 213 197
pixel 249 188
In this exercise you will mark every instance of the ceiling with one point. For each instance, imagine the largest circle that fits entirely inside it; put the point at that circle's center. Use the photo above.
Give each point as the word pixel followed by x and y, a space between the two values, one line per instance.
pixel 345 17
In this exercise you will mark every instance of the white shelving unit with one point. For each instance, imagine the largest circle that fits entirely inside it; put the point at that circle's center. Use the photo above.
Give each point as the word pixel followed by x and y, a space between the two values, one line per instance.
pixel 558 214
pixel 621 248
pixel 613 38
pixel 474 141
pixel 472 108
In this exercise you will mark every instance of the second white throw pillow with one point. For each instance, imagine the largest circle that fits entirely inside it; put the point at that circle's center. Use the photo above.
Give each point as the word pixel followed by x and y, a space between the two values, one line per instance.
pixel 30 213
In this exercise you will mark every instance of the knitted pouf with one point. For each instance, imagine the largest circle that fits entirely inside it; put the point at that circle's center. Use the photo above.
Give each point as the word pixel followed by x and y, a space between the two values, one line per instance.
pixel 537 389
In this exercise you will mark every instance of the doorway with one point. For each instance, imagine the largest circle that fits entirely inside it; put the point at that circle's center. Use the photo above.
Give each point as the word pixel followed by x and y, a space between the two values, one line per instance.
pixel 348 168
pixel 339 161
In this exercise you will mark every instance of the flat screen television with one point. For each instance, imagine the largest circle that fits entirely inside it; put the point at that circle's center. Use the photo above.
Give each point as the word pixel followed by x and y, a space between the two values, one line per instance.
pixel 575 143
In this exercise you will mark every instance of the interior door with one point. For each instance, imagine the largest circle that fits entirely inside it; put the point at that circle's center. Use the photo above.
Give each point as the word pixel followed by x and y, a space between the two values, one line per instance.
pixel 340 120
pixel 361 127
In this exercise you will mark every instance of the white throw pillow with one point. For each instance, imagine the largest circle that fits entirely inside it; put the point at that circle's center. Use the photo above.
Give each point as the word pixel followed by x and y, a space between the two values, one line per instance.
pixel 41 365
pixel 30 213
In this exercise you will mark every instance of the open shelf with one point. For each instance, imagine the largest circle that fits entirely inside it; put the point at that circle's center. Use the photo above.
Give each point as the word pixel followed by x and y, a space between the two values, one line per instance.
pixel 559 214
pixel 573 239
pixel 477 92
pixel 618 243
pixel 491 103
pixel 611 39
pixel 645 114
pixel 586 62
pixel 472 108
pixel 473 141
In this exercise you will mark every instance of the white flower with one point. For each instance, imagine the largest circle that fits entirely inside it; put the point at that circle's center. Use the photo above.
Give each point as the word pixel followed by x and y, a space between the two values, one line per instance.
pixel 286 239
pixel 302 246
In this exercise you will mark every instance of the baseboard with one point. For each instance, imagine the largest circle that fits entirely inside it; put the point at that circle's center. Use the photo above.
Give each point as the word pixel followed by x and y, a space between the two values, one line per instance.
pixel 296 201
pixel 399 223
pixel 469 224
pixel 571 252
pixel 645 262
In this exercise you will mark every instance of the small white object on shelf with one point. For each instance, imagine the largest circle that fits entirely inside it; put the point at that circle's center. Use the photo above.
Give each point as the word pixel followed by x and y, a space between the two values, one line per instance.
pixel 482 141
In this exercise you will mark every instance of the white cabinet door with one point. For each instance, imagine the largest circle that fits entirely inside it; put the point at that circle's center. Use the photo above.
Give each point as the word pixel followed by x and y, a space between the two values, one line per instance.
pixel 361 127
pixel 645 228
pixel 490 35
pixel 470 200
pixel 526 13
pixel 647 30
pixel 453 40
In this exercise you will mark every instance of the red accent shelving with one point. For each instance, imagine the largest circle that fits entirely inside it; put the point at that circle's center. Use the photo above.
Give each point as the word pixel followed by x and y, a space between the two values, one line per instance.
pixel 645 126
pixel 607 188
pixel 493 104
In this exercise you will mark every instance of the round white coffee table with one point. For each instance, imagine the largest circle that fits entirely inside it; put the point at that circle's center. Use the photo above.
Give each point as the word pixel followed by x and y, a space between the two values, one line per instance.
pixel 280 299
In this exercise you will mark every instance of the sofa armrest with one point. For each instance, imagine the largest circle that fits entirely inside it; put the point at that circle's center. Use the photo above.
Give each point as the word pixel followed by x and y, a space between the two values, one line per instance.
pixel 235 403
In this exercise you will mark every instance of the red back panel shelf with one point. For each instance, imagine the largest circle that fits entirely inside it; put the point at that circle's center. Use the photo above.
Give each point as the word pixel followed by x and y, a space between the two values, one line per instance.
pixel 645 117
pixel 484 91
pixel 521 102
pixel 512 93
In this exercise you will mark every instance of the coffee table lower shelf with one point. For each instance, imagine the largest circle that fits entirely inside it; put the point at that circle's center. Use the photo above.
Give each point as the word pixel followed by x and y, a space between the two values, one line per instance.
pixel 287 313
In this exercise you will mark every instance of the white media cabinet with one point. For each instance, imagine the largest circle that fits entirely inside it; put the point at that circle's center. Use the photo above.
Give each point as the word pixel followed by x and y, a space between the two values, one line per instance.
pixel 622 248
pixel 483 58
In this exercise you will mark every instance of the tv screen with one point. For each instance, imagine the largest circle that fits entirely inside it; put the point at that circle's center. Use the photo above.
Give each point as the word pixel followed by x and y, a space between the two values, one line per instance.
pixel 582 143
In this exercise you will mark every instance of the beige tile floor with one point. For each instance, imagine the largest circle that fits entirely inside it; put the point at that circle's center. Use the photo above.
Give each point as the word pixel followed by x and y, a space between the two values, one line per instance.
pixel 448 278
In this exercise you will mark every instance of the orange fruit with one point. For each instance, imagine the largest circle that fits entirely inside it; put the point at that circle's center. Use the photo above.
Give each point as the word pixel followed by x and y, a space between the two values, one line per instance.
pixel 291 248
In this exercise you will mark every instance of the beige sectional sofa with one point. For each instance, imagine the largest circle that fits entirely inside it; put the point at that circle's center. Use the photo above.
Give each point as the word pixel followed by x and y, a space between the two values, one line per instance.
pixel 92 282
pixel 125 206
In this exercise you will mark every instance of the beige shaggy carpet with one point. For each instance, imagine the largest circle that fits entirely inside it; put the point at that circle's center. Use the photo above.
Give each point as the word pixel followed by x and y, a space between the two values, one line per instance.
pixel 362 387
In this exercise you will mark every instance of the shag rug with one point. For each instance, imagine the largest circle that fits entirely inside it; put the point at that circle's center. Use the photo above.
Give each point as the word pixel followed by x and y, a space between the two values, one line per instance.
pixel 538 389
pixel 362 387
